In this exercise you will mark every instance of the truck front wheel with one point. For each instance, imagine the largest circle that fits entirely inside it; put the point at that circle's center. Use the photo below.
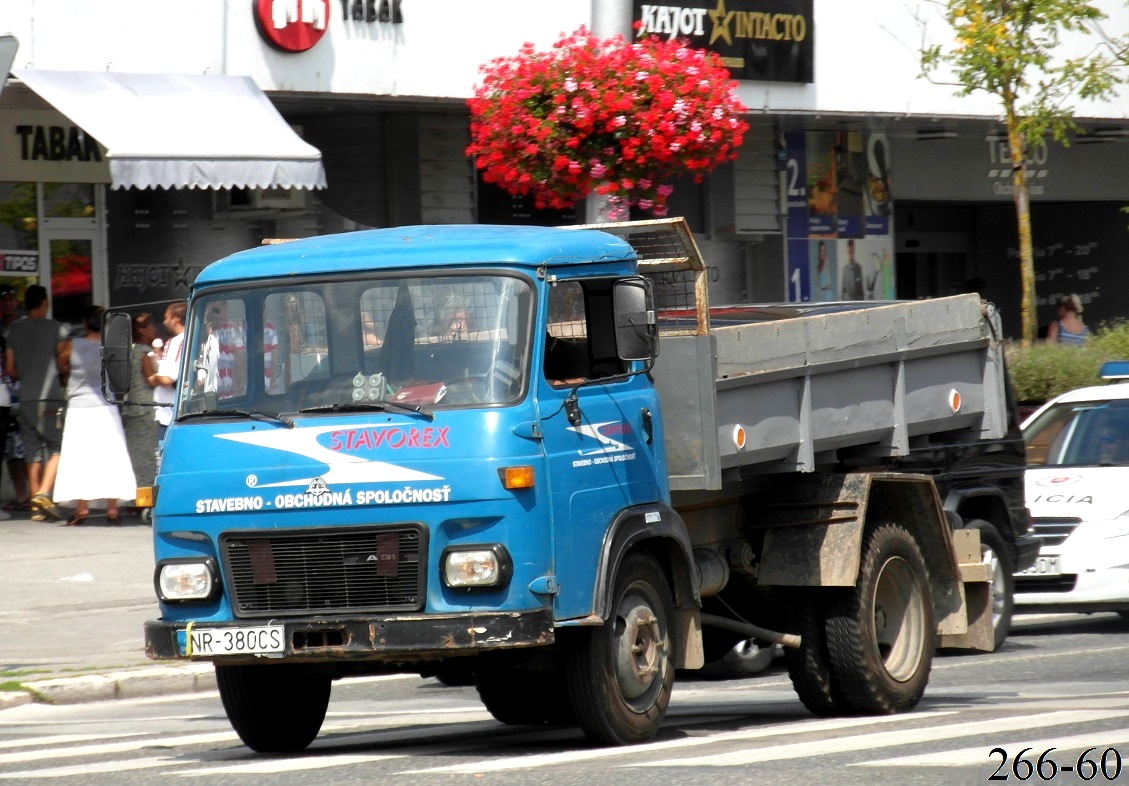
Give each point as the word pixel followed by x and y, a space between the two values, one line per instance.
pixel 880 633
pixel 274 709
pixel 621 674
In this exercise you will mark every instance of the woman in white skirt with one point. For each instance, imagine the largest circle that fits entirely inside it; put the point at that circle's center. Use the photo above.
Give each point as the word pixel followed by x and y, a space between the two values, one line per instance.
pixel 94 461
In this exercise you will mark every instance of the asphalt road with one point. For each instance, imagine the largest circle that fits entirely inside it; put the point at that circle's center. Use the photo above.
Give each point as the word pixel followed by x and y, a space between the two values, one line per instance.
pixel 1059 683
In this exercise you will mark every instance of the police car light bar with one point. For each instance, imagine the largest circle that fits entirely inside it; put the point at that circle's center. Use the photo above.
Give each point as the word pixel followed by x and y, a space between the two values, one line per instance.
pixel 1115 370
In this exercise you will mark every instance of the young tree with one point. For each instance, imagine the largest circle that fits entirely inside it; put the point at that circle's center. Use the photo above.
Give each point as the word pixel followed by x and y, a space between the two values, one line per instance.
pixel 1010 49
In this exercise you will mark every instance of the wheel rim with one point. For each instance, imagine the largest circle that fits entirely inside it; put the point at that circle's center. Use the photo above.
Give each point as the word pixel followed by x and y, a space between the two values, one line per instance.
pixel 640 649
pixel 998 583
pixel 899 619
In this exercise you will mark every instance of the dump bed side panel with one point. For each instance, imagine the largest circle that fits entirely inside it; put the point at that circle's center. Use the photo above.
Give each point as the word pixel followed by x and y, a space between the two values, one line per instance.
pixel 789 394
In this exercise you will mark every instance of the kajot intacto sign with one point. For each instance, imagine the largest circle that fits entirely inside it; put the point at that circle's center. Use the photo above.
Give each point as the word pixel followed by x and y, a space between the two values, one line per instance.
pixel 761 40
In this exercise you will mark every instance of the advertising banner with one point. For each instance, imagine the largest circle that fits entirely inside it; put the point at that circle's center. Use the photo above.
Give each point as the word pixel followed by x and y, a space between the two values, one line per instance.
pixel 759 40
pixel 840 202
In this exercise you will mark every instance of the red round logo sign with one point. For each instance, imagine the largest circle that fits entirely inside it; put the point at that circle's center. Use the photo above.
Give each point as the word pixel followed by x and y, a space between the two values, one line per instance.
pixel 292 25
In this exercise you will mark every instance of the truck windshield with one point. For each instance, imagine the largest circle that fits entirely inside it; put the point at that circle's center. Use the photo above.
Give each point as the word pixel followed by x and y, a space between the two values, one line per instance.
pixel 405 344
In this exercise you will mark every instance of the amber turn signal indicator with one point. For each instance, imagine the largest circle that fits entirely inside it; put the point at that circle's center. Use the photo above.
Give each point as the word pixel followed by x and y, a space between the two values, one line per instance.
pixel 145 496
pixel 516 477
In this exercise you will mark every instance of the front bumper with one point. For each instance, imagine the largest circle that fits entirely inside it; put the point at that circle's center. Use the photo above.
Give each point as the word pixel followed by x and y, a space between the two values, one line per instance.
pixel 1093 572
pixel 1090 591
pixel 399 639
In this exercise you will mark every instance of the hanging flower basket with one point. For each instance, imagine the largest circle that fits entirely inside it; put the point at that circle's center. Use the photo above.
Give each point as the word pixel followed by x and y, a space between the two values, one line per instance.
pixel 617 118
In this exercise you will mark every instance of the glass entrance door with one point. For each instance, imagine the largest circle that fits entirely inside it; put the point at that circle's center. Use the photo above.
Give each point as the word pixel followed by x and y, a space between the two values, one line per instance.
pixel 69 272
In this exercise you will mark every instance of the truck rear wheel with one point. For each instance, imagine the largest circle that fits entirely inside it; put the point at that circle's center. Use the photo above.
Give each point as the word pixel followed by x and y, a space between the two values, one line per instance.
pixel 620 675
pixel 522 698
pixel 995 554
pixel 880 633
pixel 809 665
pixel 274 709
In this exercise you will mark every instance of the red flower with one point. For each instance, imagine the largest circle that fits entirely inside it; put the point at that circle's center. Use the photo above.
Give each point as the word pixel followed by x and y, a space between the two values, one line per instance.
pixel 608 116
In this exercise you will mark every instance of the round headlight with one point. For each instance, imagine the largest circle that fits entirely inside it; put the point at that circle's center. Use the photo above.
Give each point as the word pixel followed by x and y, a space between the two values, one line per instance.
pixel 476 566
pixel 180 581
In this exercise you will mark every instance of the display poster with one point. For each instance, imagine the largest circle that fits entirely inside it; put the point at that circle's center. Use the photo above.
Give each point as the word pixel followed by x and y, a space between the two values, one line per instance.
pixel 840 202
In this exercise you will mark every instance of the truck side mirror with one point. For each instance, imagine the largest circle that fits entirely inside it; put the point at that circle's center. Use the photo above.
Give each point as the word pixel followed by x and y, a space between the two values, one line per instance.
pixel 117 343
pixel 636 331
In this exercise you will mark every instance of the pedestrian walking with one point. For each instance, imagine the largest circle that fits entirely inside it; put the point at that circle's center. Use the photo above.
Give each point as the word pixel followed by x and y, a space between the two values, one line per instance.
pixel 168 368
pixel 11 447
pixel 137 419
pixel 1069 328
pixel 30 357
pixel 94 463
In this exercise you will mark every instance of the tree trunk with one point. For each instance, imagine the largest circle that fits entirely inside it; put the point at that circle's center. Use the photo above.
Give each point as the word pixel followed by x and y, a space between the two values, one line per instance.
pixel 1018 150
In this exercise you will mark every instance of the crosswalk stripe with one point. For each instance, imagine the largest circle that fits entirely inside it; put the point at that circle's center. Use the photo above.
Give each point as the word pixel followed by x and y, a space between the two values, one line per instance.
pixel 565 757
pixel 1106 738
pixel 288 764
pixel 117 747
pixel 90 768
pixel 887 739
pixel 63 739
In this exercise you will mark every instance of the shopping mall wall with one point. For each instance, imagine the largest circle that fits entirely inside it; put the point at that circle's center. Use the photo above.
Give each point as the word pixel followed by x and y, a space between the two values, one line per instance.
pixel 1080 248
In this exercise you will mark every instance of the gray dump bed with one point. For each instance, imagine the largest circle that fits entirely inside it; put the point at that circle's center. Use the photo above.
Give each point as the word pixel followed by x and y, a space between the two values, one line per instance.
pixel 793 388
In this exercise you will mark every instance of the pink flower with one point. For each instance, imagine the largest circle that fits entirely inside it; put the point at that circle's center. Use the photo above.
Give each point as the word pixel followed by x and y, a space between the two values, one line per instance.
pixel 603 115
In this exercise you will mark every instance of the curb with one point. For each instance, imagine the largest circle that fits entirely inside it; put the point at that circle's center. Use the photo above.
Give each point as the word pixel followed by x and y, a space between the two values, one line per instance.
pixel 138 683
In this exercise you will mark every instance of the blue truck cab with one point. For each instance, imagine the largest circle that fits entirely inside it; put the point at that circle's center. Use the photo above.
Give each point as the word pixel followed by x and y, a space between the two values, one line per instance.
pixel 393 447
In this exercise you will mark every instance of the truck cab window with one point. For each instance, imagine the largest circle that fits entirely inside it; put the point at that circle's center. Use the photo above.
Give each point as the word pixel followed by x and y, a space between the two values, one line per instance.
pixel 221 363
pixel 295 340
pixel 580 340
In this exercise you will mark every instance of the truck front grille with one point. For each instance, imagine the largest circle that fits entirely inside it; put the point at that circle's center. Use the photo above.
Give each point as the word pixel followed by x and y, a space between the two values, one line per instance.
pixel 325 571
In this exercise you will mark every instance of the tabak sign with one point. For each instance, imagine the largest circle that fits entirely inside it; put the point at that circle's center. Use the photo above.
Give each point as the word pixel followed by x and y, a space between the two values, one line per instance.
pixel 296 25
pixel 759 40
pixel 292 25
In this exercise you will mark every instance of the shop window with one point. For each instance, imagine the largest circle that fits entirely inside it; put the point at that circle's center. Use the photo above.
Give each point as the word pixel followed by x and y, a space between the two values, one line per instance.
pixel 68 200
pixel 19 238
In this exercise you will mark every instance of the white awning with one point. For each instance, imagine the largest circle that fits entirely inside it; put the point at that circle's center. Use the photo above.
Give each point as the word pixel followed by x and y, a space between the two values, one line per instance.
pixel 182 131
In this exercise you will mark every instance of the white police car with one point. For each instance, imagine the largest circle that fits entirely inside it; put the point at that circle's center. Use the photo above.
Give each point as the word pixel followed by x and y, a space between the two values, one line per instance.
pixel 1077 483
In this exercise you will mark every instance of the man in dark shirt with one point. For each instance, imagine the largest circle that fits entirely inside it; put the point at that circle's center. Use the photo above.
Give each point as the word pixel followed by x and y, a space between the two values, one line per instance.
pixel 30 358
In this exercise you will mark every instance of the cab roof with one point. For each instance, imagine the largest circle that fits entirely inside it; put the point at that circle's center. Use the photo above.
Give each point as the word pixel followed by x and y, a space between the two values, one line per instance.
pixel 421 247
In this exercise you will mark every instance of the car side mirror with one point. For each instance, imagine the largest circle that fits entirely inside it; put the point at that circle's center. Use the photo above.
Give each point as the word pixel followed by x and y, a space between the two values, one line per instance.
pixel 117 345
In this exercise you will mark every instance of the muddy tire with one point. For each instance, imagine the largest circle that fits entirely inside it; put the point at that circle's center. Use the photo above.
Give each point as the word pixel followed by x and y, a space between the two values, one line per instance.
pixel 995 554
pixel 620 674
pixel 521 698
pixel 274 709
pixel 809 665
pixel 881 633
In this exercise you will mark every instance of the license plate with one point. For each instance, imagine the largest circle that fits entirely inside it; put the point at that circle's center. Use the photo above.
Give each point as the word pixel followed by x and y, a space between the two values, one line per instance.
pixel 261 640
pixel 1044 566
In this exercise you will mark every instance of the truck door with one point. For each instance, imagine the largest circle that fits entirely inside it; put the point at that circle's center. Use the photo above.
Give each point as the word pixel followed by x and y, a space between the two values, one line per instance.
pixel 601 438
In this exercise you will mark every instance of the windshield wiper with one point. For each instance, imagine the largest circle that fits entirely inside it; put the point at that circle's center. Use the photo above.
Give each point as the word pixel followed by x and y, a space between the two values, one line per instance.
pixel 369 406
pixel 254 414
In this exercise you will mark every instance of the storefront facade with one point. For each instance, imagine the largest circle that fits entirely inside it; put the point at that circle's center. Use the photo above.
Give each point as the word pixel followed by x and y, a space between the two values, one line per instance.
pixel 848 151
